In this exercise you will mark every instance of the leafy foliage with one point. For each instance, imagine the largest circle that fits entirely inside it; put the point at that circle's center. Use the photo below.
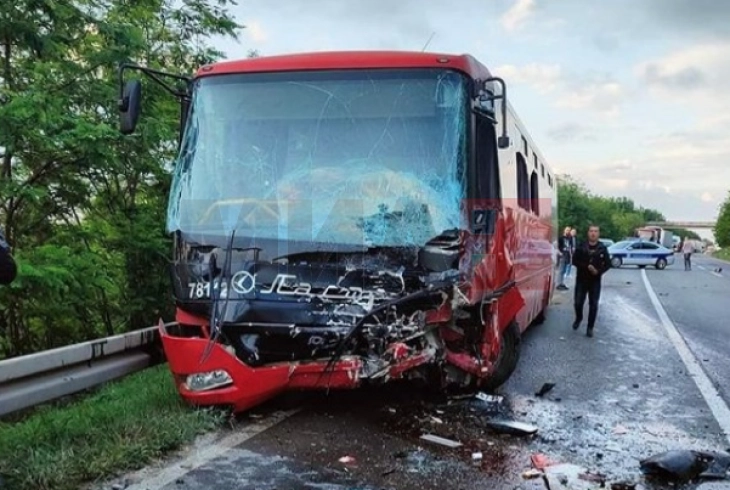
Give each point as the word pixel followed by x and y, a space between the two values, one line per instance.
pixel 83 206
pixel 617 217
pixel 722 227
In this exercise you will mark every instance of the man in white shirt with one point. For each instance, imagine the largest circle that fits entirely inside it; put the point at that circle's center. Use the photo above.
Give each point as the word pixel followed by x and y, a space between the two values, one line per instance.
pixel 687 249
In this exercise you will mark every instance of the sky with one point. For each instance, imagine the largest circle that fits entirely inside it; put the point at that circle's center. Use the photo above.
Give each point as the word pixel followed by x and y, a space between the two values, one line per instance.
pixel 630 97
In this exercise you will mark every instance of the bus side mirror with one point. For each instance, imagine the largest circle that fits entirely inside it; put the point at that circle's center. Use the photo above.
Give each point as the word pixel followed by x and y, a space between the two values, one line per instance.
pixel 503 140
pixel 129 106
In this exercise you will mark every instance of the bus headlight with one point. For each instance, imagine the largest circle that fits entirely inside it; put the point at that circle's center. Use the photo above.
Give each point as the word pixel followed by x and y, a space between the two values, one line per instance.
pixel 208 380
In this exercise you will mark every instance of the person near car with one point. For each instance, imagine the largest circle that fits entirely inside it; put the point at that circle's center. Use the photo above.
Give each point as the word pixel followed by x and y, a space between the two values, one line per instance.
pixel 566 251
pixel 8 268
pixel 687 249
pixel 591 261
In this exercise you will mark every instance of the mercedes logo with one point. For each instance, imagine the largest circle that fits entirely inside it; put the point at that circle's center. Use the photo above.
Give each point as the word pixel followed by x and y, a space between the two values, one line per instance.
pixel 243 282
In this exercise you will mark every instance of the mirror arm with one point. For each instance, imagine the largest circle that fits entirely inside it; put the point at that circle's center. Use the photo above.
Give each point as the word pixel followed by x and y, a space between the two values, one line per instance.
pixel 154 75
pixel 503 96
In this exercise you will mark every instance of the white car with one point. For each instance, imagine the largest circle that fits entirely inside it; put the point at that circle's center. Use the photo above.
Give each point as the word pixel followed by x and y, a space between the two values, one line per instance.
pixel 640 253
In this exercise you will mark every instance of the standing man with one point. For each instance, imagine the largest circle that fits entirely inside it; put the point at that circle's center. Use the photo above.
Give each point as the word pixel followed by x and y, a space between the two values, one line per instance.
pixel 687 249
pixel 8 269
pixel 564 246
pixel 573 246
pixel 591 261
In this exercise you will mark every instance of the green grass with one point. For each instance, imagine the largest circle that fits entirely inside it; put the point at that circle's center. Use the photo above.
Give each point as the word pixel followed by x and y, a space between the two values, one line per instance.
pixel 723 254
pixel 121 427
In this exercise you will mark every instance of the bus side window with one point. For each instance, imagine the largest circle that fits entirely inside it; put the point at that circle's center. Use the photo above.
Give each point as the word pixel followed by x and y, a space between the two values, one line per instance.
pixel 487 161
pixel 523 189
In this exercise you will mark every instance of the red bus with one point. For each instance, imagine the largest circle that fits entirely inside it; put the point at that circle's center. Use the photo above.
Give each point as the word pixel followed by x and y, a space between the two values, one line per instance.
pixel 344 218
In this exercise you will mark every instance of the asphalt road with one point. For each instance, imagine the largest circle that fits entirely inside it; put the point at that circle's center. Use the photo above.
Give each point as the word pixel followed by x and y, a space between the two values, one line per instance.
pixel 624 395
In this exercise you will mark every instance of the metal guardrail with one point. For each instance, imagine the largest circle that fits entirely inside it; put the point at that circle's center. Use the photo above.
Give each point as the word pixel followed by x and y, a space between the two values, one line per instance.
pixel 30 380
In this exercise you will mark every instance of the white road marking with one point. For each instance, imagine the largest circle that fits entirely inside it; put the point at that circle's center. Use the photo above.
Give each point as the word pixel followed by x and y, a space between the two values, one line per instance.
pixel 198 458
pixel 717 405
pixel 715 274
pixel 700 267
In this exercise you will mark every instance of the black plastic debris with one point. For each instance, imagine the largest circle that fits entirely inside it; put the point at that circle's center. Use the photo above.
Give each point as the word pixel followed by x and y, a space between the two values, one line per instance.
pixel 545 389
pixel 687 465
pixel 512 427
pixel 623 486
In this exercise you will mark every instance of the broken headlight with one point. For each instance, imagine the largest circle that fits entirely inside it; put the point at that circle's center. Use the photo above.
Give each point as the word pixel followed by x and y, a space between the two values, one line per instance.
pixel 208 380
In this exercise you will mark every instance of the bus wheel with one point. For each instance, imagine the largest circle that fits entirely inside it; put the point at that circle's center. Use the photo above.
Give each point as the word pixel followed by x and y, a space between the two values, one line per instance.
pixel 509 355
pixel 540 318
pixel 661 263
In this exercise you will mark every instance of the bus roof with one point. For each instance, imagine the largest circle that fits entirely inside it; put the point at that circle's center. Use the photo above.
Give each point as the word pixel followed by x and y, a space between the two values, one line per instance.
pixel 343 60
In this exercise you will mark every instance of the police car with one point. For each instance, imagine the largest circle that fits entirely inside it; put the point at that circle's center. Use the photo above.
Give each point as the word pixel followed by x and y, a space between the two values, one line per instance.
pixel 640 253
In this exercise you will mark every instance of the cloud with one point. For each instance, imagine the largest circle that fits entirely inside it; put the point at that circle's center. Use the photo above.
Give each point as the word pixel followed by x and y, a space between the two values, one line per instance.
pixel 695 75
pixel 707 197
pixel 706 17
pixel 256 32
pixel 616 183
pixel 542 77
pixel 595 92
pixel 573 132
pixel 602 97
pixel 517 15
pixel 620 23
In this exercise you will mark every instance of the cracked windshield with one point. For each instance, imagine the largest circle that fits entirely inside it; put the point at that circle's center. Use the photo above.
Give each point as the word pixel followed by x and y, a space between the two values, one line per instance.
pixel 364 245
pixel 373 157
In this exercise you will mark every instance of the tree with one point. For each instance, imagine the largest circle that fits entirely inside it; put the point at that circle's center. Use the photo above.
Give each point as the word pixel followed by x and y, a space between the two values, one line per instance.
pixel 617 217
pixel 722 227
pixel 82 205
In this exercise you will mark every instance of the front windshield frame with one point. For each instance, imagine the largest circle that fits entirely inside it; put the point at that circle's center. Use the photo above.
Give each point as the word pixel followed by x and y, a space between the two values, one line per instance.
pixel 453 186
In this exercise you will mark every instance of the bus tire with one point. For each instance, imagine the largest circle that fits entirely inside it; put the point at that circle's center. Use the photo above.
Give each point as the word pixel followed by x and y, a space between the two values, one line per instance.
pixel 509 355
pixel 541 317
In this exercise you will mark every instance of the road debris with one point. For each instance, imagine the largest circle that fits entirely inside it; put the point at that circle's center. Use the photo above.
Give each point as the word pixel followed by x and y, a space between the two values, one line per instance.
pixel 346 459
pixel 540 461
pixel 623 486
pixel 489 398
pixel 593 477
pixel 685 465
pixel 568 476
pixel 512 427
pixel 545 389
pixel 476 458
pixel 532 473
pixel 440 440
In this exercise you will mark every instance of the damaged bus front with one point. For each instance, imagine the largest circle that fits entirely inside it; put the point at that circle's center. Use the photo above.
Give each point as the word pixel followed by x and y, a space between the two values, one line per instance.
pixel 333 226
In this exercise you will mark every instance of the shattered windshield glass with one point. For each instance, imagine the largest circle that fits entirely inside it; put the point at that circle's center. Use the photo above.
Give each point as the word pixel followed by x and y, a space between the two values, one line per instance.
pixel 362 157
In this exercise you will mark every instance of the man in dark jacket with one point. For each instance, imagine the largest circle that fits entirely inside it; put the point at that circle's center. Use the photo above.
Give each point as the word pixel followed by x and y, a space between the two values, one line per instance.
pixel 591 261
pixel 8 269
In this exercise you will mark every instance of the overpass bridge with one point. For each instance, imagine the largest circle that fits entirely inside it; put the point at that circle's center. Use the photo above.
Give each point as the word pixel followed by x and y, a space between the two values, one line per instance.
pixel 683 224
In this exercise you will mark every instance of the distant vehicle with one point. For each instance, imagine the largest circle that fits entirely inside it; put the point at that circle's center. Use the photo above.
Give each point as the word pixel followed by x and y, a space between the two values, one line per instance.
pixel 676 242
pixel 640 253
pixel 656 234
pixel 606 241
